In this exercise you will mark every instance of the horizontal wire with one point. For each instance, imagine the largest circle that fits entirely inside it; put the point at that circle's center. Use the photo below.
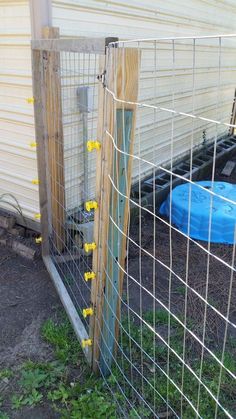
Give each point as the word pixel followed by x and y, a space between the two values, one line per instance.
pixel 170 348
pixel 165 222
pixel 133 365
pixel 174 316
pixel 169 171
pixel 167 267
pixel 172 111
pixel 174 38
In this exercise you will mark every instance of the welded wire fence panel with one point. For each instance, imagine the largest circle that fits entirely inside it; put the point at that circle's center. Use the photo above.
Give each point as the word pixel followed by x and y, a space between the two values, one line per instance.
pixel 174 355
pixel 78 76
pixel 66 108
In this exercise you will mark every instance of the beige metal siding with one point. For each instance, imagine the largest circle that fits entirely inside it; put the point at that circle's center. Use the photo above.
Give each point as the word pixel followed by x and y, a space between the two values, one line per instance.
pixel 143 18
pixel 149 19
pixel 125 19
pixel 17 159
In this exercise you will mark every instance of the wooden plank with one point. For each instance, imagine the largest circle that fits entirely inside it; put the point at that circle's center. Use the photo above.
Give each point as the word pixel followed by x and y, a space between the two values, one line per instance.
pixel 42 145
pixel 233 116
pixel 51 63
pixel 77 324
pixel 116 240
pixel 97 283
pixel 40 16
pixel 23 250
pixel 122 72
pixel 228 168
pixel 7 222
pixel 82 45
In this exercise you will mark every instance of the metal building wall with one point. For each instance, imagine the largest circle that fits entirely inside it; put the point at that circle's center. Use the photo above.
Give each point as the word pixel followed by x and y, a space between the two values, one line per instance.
pixel 17 159
pixel 125 19
pixel 153 19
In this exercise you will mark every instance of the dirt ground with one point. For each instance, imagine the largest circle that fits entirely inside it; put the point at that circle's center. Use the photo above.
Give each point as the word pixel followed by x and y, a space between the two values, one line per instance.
pixel 27 299
pixel 149 268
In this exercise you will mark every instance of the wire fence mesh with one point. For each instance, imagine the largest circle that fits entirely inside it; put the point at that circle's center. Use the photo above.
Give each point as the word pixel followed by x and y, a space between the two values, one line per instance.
pixel 175 354
pixel 163 325
pixel 72 174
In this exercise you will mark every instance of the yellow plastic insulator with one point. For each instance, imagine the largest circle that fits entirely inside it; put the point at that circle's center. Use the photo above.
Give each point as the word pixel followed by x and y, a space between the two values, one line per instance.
pixel 89 246
pixel 89 205
pixel 35 181
pixel 33 144
pixel 30 100
pixel 38 240
pixel 87 312
pixel 37 216
pixel 89 275
pixel 93 145
pixel 86 342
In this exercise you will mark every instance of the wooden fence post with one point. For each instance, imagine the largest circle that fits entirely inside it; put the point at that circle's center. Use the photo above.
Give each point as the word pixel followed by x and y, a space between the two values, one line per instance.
pixel 122 73
pixel 233 116
pixel 42 145
pixel 53 109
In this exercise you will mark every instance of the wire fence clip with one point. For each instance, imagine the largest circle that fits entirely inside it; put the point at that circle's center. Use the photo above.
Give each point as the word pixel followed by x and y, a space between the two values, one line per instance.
pixel 35 181
pixel 87 312
pixel 93 145
pixel 89 275
pixel 86 342
pixel 89 246
pixel 30 100
pixel 89 205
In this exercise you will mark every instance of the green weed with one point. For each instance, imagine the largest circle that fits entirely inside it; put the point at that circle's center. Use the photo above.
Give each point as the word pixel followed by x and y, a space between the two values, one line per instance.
pixel 33 398
pixel 61 336
pixel 145 348
pixel 5 373
pixel 17 401
pixel 180 290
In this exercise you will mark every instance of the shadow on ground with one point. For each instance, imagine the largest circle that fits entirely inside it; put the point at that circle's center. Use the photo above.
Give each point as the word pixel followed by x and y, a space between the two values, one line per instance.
pixel 27 299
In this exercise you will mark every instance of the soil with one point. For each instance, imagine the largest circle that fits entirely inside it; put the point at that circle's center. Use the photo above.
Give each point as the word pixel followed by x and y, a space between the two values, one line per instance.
pixel 149 259
pixel 27 299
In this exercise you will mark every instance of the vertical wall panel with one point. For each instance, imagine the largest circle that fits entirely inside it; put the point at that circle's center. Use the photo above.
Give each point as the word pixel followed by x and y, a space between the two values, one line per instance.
pixel 17 159
pixel 133 19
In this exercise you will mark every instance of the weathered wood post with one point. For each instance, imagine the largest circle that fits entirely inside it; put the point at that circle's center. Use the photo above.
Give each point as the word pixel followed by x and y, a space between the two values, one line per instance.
pixel 121 78
pixel 50 148
pixel 232 130
pixel 52 79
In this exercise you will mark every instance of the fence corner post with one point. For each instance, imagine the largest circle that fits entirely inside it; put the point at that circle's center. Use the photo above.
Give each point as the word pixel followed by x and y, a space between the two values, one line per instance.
pixel 122 76
pixel 53 109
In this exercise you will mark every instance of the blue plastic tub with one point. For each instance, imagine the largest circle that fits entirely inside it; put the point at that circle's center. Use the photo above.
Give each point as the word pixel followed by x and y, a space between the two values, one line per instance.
pixel 223 217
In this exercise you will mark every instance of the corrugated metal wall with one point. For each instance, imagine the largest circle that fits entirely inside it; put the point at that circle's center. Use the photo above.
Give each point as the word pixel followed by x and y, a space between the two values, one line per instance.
pixel 133 19
pixel 143 18
pixel 17 159
pixel 148 19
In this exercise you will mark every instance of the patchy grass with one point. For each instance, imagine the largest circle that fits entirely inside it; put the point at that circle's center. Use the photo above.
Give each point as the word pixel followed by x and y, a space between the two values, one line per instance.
pixel 151 381
pixel 66 382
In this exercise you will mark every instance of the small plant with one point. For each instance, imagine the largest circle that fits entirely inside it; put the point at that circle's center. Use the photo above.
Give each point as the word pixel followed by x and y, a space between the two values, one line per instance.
pixel 17 401
pixel 91 405
pixel 32 379
pixel 61 393
pixel 5 373
pixel 33 398
pixel 61 335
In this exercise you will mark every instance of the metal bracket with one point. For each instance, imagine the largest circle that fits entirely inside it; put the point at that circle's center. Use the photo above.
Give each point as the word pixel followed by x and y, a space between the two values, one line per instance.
pixel 102 78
